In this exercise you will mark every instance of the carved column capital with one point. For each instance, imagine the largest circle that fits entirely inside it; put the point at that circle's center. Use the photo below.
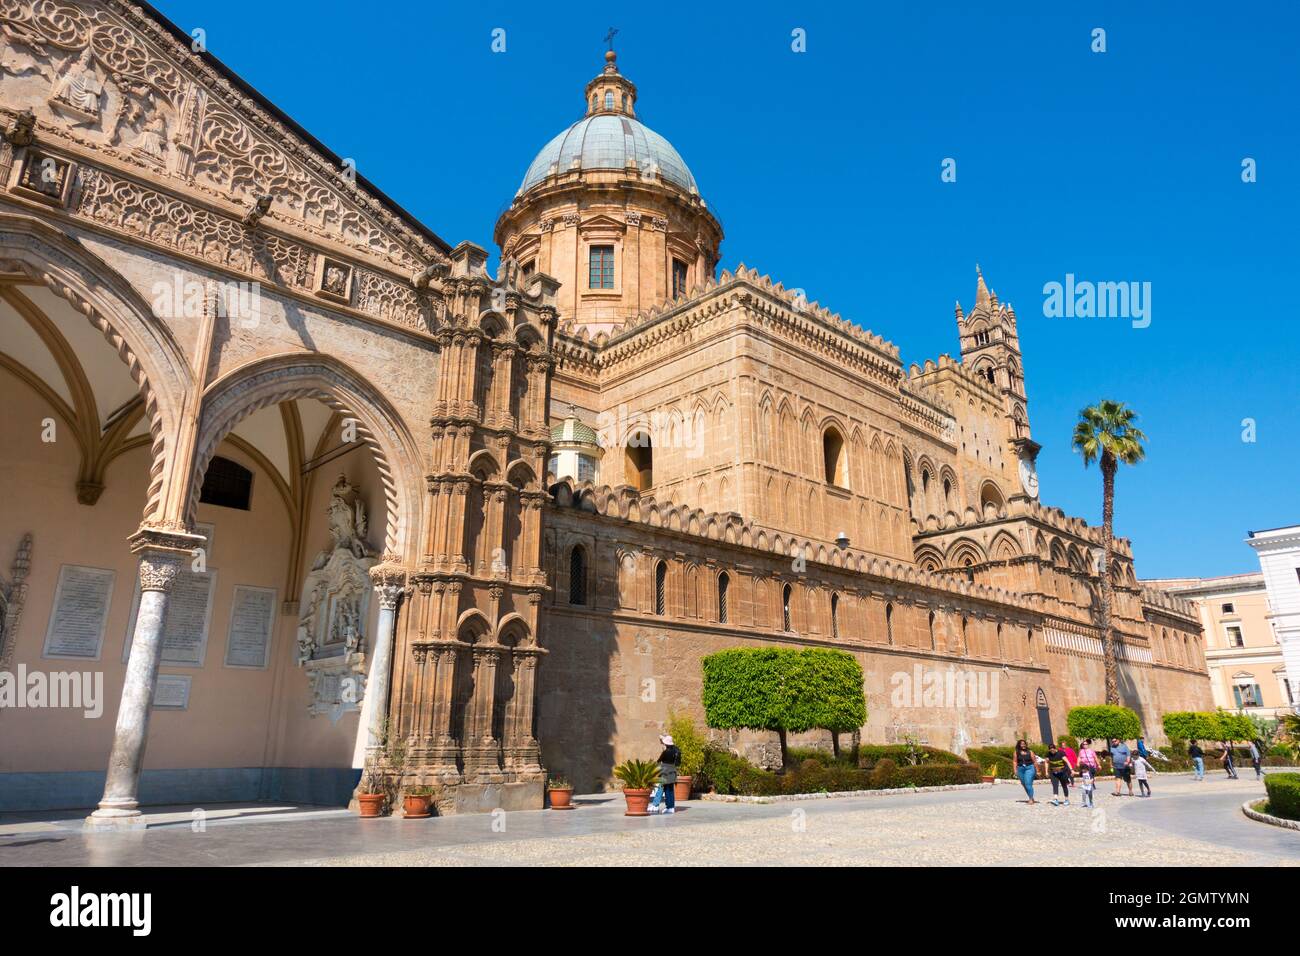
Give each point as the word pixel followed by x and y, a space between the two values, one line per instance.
pixel 158 570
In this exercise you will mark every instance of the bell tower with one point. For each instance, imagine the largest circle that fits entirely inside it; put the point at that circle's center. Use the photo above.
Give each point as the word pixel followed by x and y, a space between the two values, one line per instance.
pixel 990 347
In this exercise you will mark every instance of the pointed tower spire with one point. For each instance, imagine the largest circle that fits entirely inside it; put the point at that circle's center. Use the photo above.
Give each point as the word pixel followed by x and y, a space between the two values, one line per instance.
pixel 959 313
pixel 981 290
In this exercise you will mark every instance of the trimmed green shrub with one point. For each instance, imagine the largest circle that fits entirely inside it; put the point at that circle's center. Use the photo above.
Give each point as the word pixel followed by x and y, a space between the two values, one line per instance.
pixel 799 754
pixel 689 741
pixel 1103 721
pixel 883 772
pixel 783 690
pixel 1283 794
pixel 903 755
pixel 722 770
pixel 936 775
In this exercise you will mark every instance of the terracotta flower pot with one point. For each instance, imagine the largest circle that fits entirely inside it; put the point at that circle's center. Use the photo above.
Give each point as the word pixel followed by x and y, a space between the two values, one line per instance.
pixel 560 799
pixel 682 789
pixel 987 779
pixel 371 804
pixel 415 806
pixel 637 801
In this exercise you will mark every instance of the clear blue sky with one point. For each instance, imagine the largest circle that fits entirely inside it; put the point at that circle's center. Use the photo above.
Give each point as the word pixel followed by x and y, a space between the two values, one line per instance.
pixel 825 168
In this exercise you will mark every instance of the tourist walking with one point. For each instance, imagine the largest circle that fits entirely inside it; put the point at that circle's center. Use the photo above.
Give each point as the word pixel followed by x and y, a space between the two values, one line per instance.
pixel 1088 758
pixel 669 760
pixel 1071 757
pixel 1026 764
pixel 1256 759
pixel 1142 767
pixel 1121 759
pixel 1058 767
pixel 1198 760
pixel 1227 761
pixel 1088 784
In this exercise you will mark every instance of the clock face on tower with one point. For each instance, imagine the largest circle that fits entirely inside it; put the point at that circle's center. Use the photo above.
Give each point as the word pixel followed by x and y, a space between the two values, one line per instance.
pixel 1028 477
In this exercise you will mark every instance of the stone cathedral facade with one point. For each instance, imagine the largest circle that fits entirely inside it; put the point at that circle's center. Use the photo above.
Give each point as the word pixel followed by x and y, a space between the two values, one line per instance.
pixel 290 483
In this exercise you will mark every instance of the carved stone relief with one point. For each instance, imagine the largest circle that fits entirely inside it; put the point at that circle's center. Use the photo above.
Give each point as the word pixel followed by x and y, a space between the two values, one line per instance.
pixel 335 607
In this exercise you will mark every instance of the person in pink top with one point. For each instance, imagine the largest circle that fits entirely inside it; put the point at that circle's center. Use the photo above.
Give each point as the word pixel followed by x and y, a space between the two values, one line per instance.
pixel 1071 757
pixel 1088 757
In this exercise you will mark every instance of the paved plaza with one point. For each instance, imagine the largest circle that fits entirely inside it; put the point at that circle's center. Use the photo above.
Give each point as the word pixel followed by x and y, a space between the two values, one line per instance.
pixel 1185 824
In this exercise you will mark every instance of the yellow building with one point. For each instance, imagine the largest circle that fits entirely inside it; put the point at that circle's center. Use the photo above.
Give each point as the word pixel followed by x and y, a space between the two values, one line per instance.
pixel 1242 652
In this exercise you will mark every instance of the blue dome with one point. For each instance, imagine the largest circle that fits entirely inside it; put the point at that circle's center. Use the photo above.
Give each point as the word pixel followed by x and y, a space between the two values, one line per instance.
pixel 608 141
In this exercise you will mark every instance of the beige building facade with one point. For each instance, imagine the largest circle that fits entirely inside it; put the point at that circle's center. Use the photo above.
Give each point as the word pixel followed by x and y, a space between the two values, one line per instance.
pixel 1242 651
pixel 292 481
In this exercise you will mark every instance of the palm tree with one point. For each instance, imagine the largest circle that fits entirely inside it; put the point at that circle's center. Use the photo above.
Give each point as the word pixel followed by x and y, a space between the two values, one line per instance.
pixel 1105 432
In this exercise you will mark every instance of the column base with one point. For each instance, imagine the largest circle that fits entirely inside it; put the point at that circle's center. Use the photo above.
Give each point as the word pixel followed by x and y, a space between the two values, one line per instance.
pixel 114 820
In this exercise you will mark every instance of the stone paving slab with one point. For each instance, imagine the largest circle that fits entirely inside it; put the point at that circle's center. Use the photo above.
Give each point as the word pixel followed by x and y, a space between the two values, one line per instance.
pixel 1185 823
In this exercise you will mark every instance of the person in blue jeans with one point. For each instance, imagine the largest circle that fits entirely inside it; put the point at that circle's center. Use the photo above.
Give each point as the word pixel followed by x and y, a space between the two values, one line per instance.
pixel 668 763
pixel 1198 759
pixel 1026 764
pixel 1121 762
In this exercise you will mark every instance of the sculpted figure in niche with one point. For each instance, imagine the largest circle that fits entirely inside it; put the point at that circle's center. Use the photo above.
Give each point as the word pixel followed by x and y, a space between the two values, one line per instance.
pixel 153 139
pixel 80 88
pixel 347 522
pixel 335 281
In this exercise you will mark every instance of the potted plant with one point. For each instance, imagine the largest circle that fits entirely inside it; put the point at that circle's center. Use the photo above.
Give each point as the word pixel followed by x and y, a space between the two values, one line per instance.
pixel 991 774
pixel 415 802
pixel 561 793
pixel 691 744
pixel 372 794
pixel 639 778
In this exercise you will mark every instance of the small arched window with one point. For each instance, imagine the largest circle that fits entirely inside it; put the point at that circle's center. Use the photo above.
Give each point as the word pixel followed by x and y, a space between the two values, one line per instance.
pixel 889 623
pixel 835 459
pixel 609 100
pixel 661 589
pixel 785 609
pixel 639 462
pixel 577 575
pixel 835 616
pixel 724 585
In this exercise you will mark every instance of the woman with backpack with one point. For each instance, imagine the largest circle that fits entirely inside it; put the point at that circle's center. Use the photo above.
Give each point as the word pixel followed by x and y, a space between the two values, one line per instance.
pixel 669 761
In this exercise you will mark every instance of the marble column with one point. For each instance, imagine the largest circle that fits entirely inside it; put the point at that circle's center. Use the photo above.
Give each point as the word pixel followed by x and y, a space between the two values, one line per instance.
pixel 388 586
pixel 161 556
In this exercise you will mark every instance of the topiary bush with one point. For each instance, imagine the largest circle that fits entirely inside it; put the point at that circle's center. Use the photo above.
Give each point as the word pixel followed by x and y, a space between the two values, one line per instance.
pixel 722 770
pixel 783 690
pixel 1283 795
pixel 1103 721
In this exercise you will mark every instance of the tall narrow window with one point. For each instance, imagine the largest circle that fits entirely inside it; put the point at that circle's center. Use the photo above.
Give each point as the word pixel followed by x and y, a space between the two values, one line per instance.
pixel 679 278
pixel 661 589
pixel 785 609
pixel 638 462
pixel 609 100
pixel 577 575
pixel 965 641
pixel 835 616
pixel 724 585
pixel 933 644
pixel 834 459
pixel 889 623
pixel 600 261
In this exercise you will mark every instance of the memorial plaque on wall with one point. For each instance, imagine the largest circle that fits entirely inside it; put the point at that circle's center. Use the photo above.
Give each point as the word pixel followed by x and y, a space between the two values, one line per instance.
pixel 252 616
pixel 172 692
pixel 80 612
pixel 189 611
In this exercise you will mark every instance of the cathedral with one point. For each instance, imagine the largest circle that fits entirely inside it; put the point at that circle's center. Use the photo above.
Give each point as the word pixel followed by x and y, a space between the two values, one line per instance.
pixel 293 487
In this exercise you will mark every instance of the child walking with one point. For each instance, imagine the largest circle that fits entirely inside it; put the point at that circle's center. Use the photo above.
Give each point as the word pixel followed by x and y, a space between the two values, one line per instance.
pixel 1141 767
pixel 1087 786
